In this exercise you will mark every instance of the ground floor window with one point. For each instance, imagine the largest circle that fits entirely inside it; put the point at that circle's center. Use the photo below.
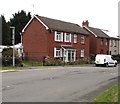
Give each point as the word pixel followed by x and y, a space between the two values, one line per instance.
pixel 57 52
pixel 107 52
pixel 82 53
pixel 101 51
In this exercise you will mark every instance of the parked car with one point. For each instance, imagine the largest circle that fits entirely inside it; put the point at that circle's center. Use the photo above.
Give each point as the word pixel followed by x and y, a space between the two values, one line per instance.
pixel 106 60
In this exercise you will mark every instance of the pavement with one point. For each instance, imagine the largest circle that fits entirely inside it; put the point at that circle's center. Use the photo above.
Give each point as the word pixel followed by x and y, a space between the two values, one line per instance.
pixel 44 67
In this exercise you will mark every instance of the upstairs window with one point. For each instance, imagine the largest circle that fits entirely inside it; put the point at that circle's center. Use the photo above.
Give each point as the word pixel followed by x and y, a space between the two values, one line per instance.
pixel 67 37
pixel 101 42
pixel 82 40
pixel 58 36
pixel 75 38
pixel 101 51
pixel 106 42
pixel 111 43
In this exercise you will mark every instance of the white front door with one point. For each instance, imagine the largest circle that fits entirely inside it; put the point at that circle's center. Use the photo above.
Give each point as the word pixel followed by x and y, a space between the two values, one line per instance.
pixel 69 55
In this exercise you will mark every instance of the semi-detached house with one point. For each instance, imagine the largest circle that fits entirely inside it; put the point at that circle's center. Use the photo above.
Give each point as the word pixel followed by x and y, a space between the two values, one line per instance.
pixel 50 37
pixel 99 40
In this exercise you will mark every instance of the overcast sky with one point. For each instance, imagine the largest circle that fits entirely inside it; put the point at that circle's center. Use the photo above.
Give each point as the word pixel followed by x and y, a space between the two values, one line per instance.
pixel 101 14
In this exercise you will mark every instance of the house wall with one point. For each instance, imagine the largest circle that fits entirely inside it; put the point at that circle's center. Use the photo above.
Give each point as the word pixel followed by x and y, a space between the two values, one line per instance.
pixel 103 47
pixel 35 41
pixel 52 44
pixel 119 47
pixel 94 44
pixel 114 48
pixel 39 42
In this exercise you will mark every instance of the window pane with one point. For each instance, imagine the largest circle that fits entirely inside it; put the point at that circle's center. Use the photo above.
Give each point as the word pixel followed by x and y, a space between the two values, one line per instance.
pixel 58 36
pixel 82 39
pixel 75 38
pixel 101 42
pixel 58 52
pixel 82 52
pixel 67 37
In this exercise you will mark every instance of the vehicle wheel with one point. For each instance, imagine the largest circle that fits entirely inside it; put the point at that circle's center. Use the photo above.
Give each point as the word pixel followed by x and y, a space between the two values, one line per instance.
pixel 106 64
pixel 96 65
pixel 115 65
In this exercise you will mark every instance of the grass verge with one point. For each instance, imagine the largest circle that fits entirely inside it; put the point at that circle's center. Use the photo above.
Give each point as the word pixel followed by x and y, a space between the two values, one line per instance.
pixel 11 67
pixel 110 95
pixel 32 63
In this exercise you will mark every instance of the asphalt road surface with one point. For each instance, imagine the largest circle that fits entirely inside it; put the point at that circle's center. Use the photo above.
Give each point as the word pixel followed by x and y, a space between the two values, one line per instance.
pixel 57 84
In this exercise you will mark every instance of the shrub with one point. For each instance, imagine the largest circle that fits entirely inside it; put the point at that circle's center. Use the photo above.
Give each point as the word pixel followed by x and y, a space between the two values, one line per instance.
pixel 51 61
pixel 117 57
pixel 7 57
pixel 8 61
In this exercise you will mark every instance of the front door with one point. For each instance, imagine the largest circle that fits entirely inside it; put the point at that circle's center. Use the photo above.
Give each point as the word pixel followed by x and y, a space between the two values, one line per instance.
pixel 69 55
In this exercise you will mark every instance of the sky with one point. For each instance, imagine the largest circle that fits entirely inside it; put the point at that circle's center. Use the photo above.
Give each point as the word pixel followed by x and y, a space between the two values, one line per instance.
pixel 101 14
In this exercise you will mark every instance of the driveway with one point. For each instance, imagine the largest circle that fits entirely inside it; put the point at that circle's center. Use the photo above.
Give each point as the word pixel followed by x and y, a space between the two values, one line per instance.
pixel 57 84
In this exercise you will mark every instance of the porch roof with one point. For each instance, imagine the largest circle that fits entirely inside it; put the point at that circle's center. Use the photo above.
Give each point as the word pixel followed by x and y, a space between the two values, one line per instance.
pixel 69 47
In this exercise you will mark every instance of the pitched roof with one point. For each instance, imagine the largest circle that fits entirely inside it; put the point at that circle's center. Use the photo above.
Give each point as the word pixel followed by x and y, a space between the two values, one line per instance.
pixel 110 34
pixel 98 32
pixel 58 25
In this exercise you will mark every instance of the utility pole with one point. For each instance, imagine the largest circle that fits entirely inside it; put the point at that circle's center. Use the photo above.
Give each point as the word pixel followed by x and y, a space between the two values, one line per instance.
pixel 13 43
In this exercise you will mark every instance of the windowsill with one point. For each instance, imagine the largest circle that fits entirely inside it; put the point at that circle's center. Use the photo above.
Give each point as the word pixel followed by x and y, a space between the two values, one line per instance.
pixel 83 43
pixel 67 42
pixel 57 57
pixel 58 41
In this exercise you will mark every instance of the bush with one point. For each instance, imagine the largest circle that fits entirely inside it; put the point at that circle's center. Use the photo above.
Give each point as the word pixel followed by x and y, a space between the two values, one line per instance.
pixel 51 61
pixel 7 57
pixel 8 61
pixel 117 57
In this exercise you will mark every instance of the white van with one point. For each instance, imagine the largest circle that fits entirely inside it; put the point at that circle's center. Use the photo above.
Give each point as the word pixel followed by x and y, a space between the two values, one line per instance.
pixel 106 60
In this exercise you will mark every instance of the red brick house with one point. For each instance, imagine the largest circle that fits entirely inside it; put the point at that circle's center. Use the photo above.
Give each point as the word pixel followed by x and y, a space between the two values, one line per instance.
pixel 49 37
pixel 99 41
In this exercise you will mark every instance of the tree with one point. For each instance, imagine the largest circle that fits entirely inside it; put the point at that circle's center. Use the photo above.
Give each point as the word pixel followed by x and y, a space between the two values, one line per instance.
pixel 6 37
pixel 19 21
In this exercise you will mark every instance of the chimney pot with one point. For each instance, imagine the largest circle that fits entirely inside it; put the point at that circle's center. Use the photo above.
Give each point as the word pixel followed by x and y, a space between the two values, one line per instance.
pixel 86 23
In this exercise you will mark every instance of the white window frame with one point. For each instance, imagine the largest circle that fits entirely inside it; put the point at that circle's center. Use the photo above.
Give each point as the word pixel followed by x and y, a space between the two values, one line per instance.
pixel 82 39
pixel 65 38
pixel 57 50
pixel 75 38
pixel 82 53
pixel 60 36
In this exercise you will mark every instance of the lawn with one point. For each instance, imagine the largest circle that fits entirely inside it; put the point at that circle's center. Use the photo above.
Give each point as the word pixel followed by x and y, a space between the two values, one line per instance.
pixel 28 63
pixel 110 95
pixel 10 67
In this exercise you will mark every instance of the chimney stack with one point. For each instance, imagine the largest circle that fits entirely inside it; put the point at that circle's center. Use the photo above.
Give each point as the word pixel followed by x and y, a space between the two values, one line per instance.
pixel 86 23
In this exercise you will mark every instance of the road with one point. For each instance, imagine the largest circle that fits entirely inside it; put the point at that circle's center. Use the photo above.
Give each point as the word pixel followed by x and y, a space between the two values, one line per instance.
pixel 57 84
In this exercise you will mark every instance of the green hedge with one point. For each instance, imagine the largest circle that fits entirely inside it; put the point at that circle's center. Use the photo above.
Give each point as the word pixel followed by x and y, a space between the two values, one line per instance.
pixel 117 57
pixel 8 61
